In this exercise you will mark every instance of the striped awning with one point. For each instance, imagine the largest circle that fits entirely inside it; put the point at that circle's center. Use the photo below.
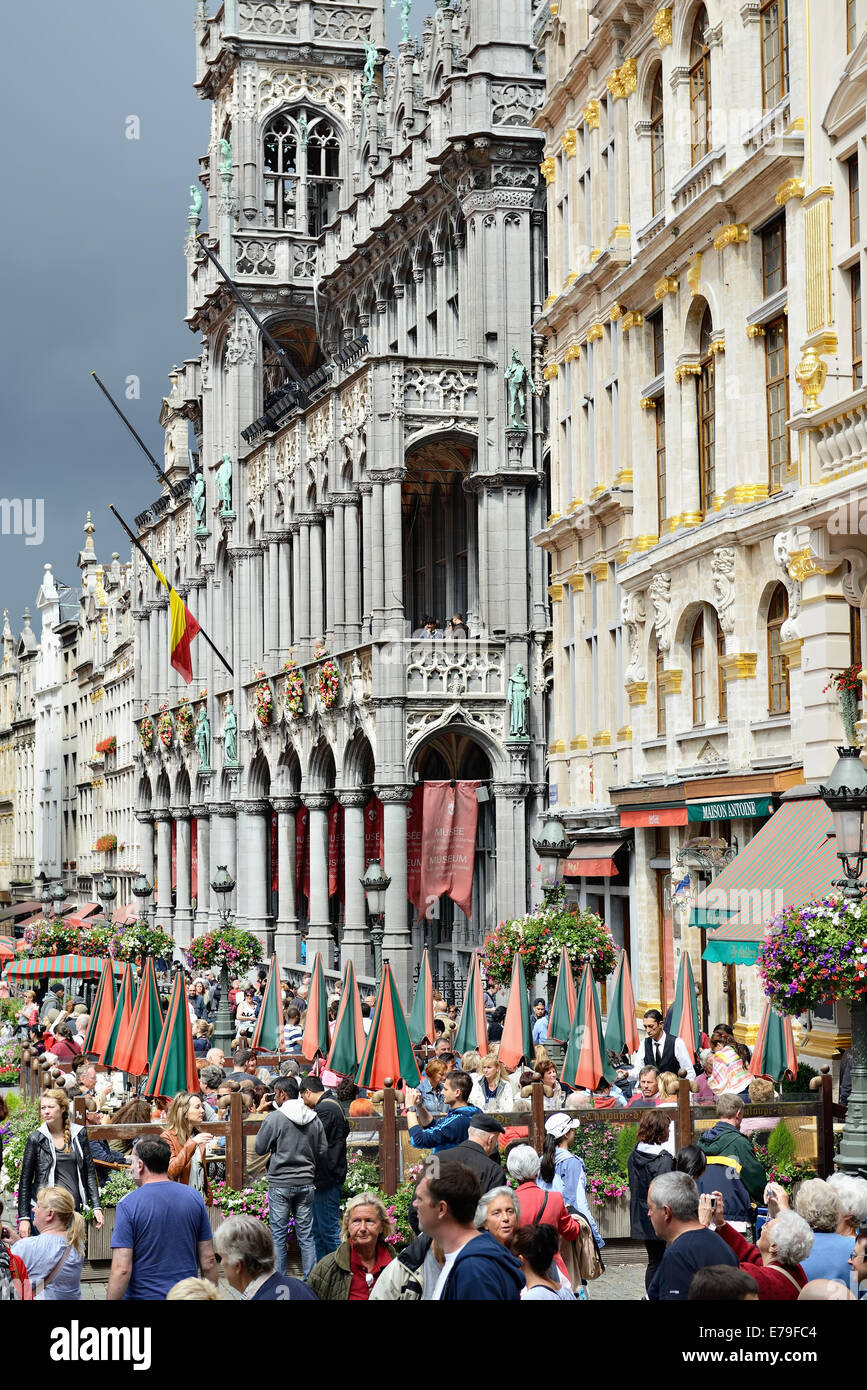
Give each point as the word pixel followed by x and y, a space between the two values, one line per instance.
pixel 790 861
pixel 592 859
pixel 59 967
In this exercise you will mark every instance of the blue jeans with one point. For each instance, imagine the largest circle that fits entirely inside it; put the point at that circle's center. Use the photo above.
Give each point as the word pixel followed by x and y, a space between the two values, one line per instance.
pixel 297 1202
pixel 326 1220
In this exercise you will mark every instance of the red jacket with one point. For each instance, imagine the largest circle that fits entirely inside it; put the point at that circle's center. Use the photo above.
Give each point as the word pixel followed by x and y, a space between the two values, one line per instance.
pixel 775 1284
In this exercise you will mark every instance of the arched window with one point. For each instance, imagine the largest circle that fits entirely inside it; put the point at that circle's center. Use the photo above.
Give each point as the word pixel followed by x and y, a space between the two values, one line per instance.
pixel 697 669
pixel 706 417
pixel 301 159
pixel 657 147
pixel 699 88
pixel 778 666
pixel 721 689
pixel 660 695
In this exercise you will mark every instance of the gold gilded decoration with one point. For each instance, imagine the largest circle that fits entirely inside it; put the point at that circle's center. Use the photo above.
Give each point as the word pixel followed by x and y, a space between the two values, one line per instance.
pixel 550 371
pixel 693 275
pixel 810 374
pixel 667 285
pixel 574 505
pixel 579 742
pixel 569 141
pixel 597 491
pixel 741 666
pixel 623 478
pixel 614 85
pixel 576 583
pixel 623 554
pixel 629 76
pixel 802 565
pixel 552 299
pixel 615 312
pixel 671 680
pixel 755 330
pixel 595 332
pixel 555 516
pixel 591 115
pixel 602 738
pixel 637 692
pixel 662 27
pixel 718 345
pixel 792 652
pixel 555 593
pixel 595 253
pixel 687 519
pixel 599 570
pixel 730 235
pixel 573 352
pixel 548 168
pixel 633 319
pixel 624 735
pixel 645 542
pixel 817 254
pixel 792 188
pixel 558 747
pixel 569 281
pixel 647 403
pixel 686 369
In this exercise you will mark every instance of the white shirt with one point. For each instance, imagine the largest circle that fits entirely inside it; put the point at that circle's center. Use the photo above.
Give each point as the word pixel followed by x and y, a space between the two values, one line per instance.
pixel 680 1053
pixel 446 1271
pixel 255 1285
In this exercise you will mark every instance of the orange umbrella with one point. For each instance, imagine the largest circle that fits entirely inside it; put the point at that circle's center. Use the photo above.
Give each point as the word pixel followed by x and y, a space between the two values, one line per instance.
pixel 516 1044
pixel 586 1060
pixel 137 1044
pixel 121 1017
pixel 563 1007
pixel 388 1052
pixel 316 1036
pixel 622 1030
pixel 101 1014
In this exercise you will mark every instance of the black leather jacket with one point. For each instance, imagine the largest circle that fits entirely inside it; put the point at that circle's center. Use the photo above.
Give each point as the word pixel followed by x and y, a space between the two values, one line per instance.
pixel 37 1170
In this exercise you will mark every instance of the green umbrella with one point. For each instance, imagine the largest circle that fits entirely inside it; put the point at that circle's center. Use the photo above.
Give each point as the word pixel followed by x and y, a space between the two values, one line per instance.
pixel 516 1044
pixel 622 1030
pixel 774 1051
pixel 101 1014
pixel 563 1007
pixel 472 1026
pixel 586 1060
pixel 268 1034
pixel 174 1066
pixel 136 1045
pixel 388 1052
pixel 316 1037
pixel 421 1020
pixel 347 1043
pixel 122 1015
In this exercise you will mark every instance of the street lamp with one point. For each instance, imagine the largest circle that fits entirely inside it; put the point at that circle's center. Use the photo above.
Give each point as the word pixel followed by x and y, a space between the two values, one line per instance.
pixel 846 798
pixel 107 892
pixel 59 896
pixel 553 849
pixel 46 899
pixel 222 884
pixel 141 889
pixel 375 884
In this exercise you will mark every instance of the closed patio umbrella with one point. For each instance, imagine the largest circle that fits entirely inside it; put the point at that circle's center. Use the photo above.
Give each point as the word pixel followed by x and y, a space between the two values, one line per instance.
pixel 268 1033
pixel 174 1065
pixel 316 1037
pixel 421 1019
pixel 348 1040
pixel 622 1029
pixel 121 1017
pixel 472 1026
pixel 684 1015
pixel 388 1050
pixel 774 1051
pixel 137 1044
pixel 516 1044
pixel 563 1007
pixel 586 1060
pixel 101 1014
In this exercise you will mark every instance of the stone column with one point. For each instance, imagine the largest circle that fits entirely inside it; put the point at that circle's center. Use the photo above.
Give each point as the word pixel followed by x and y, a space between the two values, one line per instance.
pixel 392 549
pixel 367 549
pixel 223 851
pixel 377 555
pixel 252 868
pixel 397 943
pixel 315 580
pixel 688 506
pixel 287 940
pixel 352 577
pixel 163 909
pixel 512 842
pixel 274 602
pixel 301 584
pixel 146 844
pixel 336 577
pixel 328 576
pixel 201 920
pixel 184 880
pixel 319 932
pixel 355 941
pixel 256 606
pixel 284 603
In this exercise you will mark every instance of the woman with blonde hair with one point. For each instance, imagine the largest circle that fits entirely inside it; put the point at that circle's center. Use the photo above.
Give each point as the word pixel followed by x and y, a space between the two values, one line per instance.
pixel 494 1090
pixel 57 1155
pixel 54 1258
pixel 187 1143
pixel 471 1063
pixel 194 1291
pixel 349 1274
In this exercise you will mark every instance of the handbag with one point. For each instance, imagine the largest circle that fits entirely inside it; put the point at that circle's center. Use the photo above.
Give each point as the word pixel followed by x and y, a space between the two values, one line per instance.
pixel 584 1253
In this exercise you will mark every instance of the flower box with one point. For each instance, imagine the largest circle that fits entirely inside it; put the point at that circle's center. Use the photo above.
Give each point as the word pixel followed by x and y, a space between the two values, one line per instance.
pixel 99 1241
pixel 613 1218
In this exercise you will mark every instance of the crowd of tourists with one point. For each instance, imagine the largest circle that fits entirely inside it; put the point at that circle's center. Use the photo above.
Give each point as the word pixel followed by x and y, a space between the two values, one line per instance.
pixel 492 1219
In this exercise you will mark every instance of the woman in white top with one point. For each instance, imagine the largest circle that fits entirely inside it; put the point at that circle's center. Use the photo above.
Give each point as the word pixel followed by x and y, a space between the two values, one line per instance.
pixel 494 1090
pixel 55 1258
pixel 535 1247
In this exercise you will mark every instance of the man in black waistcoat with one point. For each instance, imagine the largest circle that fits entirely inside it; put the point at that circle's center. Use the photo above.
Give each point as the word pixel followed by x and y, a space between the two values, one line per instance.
pixel 660 1050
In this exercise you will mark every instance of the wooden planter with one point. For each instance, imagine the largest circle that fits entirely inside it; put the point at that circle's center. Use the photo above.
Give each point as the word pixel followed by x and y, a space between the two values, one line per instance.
pixel 99 1242
pixel 613 1218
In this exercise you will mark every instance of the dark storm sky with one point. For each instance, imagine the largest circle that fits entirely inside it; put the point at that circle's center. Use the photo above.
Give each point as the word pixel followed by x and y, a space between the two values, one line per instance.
pixel 91 249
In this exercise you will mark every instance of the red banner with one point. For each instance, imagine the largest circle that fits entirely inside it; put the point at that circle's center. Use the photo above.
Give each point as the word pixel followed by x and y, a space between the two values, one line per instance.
pixel 302 851
pixel 335 850
pixel 194 859
pixel 448 839
pixel 275 877
pixel 414 848
pixel 373 831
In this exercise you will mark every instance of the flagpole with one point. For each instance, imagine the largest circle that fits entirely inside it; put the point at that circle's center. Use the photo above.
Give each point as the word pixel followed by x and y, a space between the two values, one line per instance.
pixel 140 548
pixel 135 434
pixel 245 304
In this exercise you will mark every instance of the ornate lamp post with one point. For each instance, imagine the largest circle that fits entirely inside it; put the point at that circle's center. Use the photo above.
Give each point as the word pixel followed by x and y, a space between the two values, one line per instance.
pixel 375 883
pixel 107 892
pixel 59 896
pixel 222 884
pixel 846 798
pixel 141 889
pixel 553 849
pixel 46 899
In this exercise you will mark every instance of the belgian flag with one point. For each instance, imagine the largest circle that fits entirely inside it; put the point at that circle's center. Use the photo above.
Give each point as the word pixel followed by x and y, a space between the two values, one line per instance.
pixel 183 629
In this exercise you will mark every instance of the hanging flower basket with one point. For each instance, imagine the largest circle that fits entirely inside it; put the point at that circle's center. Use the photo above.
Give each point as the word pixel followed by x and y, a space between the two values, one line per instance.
pixel 142 940
pixel 107 745
pixel 186 724
pixel 847 684
pixel 815 954
pixel 146 733
pixel 538 936
pixel 294 689
pixel 327 680
pixel 106 844
pixel 233 947
pixel 264 703
pixel 165 726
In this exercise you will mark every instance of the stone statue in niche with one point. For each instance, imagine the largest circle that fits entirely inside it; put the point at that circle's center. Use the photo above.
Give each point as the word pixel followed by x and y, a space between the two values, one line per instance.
pixel 230 736
pixel 517 381
pixel 203 740
pixel 224 486
pixel 519 702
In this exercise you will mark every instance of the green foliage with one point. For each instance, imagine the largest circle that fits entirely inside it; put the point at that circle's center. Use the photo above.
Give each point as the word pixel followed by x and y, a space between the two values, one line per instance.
pixel 801 1083
pixel 538 937
pixel 15 1134
pixel 624 1144
pixel 119 1184
pixel 362 1175
pixel 250 1201
pixel 9 1010
pixel 598 1144
pixel 790 1171
pixel 781 1143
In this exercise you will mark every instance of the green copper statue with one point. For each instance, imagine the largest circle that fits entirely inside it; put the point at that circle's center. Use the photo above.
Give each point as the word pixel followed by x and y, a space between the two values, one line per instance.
pixel 224 486
pixel 203 741
pixel 195 201
pixel 517 381
pixel 405 12
pixel 226 156
pixel 199 500
pixel 519 699
pixel 230 736
pixel 370 57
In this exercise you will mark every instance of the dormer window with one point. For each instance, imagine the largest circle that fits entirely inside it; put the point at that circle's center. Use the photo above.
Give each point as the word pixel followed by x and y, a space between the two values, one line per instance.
pixel 301 160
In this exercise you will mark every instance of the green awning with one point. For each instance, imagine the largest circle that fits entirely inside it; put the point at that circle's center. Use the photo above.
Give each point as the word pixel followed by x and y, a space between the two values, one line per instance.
pixel 732 952
pixel 707 918
pixel 739 808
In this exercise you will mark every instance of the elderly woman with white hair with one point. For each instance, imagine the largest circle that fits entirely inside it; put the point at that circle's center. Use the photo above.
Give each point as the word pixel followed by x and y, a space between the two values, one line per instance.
pixel 536 1207
pixel 852 1194
pixel 245 1250
pixel 498 1213
pixel 776 1260
pixel 819 1204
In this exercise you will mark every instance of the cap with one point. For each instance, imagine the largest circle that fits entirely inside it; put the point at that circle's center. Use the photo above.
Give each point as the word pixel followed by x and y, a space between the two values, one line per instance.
pixel 489 1124
pixel 558 1125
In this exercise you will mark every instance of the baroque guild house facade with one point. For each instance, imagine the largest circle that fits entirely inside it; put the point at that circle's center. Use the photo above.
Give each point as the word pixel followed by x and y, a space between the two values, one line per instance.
pixel 362 465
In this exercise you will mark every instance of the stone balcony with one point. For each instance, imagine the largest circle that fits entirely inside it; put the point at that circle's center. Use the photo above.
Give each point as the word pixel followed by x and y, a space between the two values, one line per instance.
pixel 268 254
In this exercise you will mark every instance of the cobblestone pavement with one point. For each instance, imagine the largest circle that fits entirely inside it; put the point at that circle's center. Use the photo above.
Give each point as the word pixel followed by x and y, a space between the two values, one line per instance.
pixel 623 1280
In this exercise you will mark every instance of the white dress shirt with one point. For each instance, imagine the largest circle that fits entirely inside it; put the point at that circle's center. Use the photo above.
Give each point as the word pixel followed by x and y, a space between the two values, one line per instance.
pixel 680 1052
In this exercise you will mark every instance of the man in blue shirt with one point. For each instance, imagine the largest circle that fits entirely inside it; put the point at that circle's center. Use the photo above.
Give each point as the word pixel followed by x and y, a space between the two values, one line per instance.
pixel 443 1131
pixel 672 1205
pixel 161 1232
pixel 540 1025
